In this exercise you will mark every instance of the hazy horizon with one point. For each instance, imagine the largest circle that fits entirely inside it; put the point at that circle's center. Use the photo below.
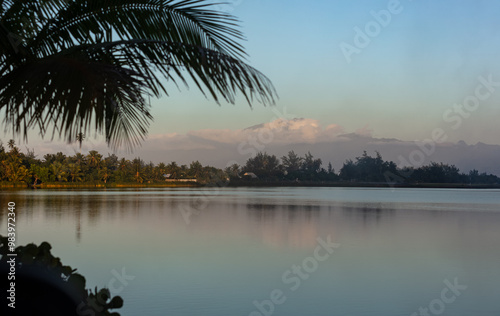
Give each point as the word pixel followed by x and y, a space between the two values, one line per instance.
pixel 384 69
pixel 332 143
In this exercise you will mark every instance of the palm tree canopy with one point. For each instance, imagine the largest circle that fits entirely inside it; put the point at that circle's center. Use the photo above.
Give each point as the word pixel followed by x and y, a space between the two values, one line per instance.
pixel 78 65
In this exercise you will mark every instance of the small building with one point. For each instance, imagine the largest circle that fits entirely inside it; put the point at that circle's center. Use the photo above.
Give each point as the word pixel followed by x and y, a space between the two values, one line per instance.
pixel 181 180
pixel 251 175
pixel 167 179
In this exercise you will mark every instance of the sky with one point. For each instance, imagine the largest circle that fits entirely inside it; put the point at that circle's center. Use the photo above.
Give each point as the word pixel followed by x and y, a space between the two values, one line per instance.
pixel 383 68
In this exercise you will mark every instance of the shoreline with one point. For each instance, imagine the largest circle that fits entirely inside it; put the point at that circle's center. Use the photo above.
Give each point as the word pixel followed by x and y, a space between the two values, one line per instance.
pixel 52 186
pixel 252 184
pixel 370 185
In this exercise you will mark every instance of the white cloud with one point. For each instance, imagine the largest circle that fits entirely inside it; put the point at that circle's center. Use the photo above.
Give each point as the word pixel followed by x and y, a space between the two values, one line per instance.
pixel 218 147
pixel 279 131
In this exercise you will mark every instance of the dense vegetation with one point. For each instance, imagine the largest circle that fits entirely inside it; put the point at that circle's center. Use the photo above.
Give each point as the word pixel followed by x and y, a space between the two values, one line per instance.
pixel 364 169
pixel 44 286
pixel 95 169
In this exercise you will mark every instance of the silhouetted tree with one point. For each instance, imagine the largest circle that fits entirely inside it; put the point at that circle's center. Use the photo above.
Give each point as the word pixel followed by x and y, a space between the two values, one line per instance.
pixel 79 138
pixel 264 166
pixel 195 169
pixel 437 173
pixel 81 65
pixel 310 166
pixel 233 171
pixel 367 169
pixel 17 167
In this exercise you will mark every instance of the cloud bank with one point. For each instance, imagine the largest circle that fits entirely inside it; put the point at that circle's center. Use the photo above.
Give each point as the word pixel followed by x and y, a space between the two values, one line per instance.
pixel 332 143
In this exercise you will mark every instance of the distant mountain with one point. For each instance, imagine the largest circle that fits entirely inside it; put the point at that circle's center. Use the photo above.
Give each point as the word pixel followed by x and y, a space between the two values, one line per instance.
pixel 220 147
pixel 337 149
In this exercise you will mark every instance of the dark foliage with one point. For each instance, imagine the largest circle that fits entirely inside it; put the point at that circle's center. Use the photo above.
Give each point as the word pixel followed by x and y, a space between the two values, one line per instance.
pixel 44 286
pixel 91 65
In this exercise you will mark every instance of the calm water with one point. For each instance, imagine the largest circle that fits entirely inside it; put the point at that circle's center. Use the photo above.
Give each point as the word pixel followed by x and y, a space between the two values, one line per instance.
pixel 210 252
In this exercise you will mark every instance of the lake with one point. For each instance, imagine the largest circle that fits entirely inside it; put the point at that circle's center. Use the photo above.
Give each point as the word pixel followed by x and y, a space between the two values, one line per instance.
pixel 275 251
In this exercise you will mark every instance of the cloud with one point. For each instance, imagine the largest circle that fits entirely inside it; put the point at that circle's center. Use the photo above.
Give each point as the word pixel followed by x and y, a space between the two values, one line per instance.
pixel 365 131
pixel 219 147
pixel 279 131
pixel 176 141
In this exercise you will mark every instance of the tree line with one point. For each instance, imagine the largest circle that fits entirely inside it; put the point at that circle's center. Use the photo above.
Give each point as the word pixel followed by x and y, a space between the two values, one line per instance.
pixel 363 169
pixel 18 167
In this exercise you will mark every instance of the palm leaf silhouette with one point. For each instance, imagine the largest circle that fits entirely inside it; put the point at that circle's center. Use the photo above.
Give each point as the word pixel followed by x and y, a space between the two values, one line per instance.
pixel 79 65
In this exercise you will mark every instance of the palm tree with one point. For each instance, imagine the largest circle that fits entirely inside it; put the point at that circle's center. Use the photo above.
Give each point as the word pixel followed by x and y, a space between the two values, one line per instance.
pixel 79 138
pixel 94 158
pixel 174 170
pixel 123 163
pixel 81 65
pixel 60 157
pixel 11 144
pixel 195 169
pixel 104 174
pixel 137 165
pixel 14 150
pixel 162 169
pixel 58 171
pixel 74 172
pixel 79 159
pixel 121 174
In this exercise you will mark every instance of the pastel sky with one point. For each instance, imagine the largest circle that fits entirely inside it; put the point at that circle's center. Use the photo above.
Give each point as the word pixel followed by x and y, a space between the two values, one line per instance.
pixel 424 61
pixel 427 57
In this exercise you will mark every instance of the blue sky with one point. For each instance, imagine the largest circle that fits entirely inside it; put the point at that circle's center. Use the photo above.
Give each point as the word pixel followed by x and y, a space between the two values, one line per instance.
pixel 426 59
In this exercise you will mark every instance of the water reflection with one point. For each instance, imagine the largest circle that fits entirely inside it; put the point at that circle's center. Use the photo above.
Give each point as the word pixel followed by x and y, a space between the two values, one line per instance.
pixel 236 247
pixel 275 222
pixel 368 213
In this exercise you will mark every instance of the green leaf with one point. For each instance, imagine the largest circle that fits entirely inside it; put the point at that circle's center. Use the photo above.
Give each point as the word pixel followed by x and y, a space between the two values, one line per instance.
pixel 116 302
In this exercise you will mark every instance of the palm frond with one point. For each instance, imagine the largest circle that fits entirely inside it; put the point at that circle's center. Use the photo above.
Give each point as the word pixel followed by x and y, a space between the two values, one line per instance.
pixel 186 21
pixel 79 65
